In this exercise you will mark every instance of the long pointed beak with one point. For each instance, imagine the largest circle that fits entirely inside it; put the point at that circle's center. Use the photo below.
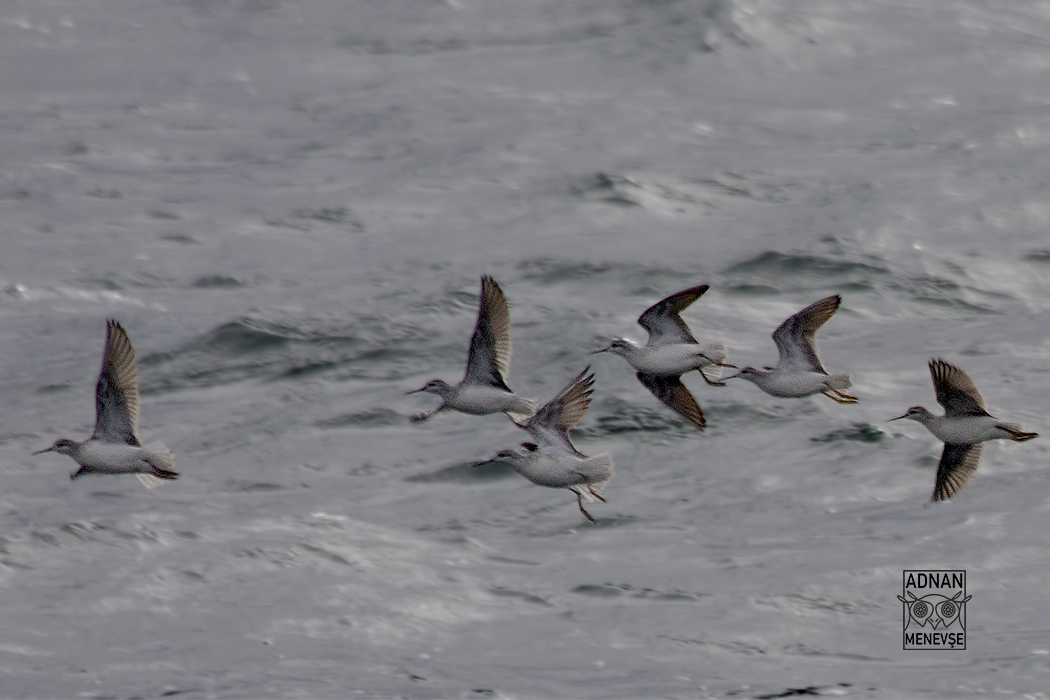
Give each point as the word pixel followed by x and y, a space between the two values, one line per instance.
pixel 599 350
pixel 482 462
pixel 48 449
pixel 898 417
pixel 731 376
pixel 414 391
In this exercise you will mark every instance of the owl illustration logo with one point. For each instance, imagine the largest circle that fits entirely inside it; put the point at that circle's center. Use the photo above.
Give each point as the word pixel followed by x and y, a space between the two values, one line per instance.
pixel 935 609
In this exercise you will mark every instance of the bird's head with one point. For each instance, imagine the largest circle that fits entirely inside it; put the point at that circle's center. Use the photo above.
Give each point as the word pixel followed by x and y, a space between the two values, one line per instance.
pixel 619 346
pixel 916 413
pixel 434 386
pixel 63 446
pixel 750 373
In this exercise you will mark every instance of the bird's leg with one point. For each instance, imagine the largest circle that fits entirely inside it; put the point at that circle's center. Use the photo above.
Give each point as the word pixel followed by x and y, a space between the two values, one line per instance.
pixel 422 417
pixel 579 502
pixel 717 363
pixel 840 397
pixel 1018 435
pixel 597 495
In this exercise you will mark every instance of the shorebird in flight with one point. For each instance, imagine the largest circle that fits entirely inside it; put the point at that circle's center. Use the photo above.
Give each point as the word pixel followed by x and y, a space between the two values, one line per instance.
pixel 963 427
pixel 799 372
pixel 671 352
pixel 553 460
pixel 484 388
pixel 113 447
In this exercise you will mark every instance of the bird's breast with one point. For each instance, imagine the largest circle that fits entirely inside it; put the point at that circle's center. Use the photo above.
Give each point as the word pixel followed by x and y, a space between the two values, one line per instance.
pixel 965 430
pixel 669 360
pixel 109 456
pixel 791 383
pixel 481 399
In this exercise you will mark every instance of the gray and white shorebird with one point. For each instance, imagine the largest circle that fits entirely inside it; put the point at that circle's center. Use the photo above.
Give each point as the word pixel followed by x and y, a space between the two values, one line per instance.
pixel 113 448
pixel 671 352
pixel 484 388
pixel 553 460
pixel 963 427
pixel 799 372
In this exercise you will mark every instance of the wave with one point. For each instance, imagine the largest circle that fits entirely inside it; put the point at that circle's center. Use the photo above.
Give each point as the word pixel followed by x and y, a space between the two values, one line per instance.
pixel 268 349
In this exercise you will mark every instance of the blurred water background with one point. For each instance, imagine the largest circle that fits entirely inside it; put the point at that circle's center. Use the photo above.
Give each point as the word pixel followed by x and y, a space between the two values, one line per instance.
pixel 288 203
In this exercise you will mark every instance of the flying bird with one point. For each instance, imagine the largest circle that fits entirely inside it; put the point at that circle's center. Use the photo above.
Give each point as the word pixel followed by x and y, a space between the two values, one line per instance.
pixel 799 372
pixel 484 388
pixel 113 448
pixel 671 352
pixel 963 427
pixel 552 460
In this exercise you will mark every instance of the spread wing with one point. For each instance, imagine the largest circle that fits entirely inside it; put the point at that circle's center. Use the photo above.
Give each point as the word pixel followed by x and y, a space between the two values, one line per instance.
pixel 489 358
pixel 117 391
pixel 796 337
pixel 673 393
pixel 958 463
pixel 552 423
pixel 664 324
pixel 955 390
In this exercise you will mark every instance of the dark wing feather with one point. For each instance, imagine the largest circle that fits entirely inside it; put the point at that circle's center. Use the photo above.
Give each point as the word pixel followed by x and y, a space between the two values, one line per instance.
pixel 552 423
pixel 489 358
pixel 796 338
pixel 955 390
pixel 117 392
pixel 673 393
pixel 664 324
pixel 958 463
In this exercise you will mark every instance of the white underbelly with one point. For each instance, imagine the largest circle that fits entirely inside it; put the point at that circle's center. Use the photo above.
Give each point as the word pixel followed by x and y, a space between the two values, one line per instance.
pixel 670 360
pixel 552 471
pixel 482 400
pixel 113 458
pixel 794 383
pixel 966 430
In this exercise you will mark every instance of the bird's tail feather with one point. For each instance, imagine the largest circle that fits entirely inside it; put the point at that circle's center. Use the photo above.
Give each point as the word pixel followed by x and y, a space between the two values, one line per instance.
pixel 163 463
pixel 521 417
pixel 839 382
pixel 1016 434
pixel 598 470
pixel 714 350
pixel 150 481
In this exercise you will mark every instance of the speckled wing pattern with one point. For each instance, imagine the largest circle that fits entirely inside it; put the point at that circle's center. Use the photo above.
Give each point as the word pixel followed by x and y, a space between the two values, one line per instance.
pixel 673 393
pixel 958 463
pixel 796 337
pixel 955 390
pixel 489 359
pixel 662 321
pixel 117 391
pixel 552 423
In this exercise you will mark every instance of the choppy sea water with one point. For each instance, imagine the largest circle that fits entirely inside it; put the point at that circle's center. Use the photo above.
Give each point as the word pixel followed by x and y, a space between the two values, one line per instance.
pixel 289 204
